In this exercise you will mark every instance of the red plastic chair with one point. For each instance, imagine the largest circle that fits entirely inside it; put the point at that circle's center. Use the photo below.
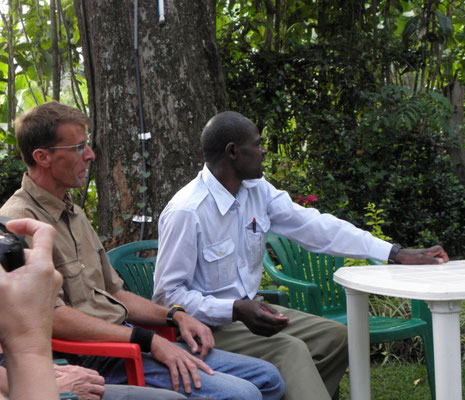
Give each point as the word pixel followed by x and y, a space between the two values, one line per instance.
pixel 129 351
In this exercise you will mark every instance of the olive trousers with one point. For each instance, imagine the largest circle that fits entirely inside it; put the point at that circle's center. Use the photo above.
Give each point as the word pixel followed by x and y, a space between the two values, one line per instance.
pixel 311 353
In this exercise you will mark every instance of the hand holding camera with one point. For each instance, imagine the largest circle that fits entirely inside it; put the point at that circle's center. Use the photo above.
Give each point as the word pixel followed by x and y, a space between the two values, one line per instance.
pixel 27 301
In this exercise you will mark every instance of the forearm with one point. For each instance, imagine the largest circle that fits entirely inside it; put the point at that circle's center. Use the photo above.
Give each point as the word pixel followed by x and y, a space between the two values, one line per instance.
pixel 323 233
pixel 140 310
pixel 207 309
pixel 31 373
pixel 3 381
pixel 71 324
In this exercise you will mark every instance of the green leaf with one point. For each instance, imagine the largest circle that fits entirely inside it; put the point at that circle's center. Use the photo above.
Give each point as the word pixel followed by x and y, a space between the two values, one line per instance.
pixel 117 231
pixel 445 24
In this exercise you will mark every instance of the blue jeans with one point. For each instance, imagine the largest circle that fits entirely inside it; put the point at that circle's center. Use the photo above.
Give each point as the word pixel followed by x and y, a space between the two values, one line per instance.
pixel 236 376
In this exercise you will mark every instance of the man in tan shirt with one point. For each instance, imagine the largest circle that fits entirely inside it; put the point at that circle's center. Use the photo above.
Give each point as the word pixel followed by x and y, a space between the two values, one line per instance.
pixel 91 304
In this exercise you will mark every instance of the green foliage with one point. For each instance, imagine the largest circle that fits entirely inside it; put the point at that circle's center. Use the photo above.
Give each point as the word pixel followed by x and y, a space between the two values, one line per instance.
pixel 349 106
pixel 11 167
pixel 268 283
pixel 375 221
pixel 25 29
pixel 393 381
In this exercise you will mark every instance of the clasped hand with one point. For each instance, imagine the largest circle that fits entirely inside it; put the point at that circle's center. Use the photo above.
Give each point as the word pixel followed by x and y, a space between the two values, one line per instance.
pixel 259 317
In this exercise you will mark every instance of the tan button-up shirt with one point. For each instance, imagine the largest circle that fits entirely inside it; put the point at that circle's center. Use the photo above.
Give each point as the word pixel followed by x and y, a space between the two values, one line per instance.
pixel 88 278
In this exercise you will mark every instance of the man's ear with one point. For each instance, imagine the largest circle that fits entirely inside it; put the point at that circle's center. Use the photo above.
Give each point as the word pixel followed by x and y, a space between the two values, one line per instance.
pixel 230 150
pixel 41 157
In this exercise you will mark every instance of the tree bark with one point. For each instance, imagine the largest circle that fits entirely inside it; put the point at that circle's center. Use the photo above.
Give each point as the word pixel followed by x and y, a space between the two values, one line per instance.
pixel 56 76
pixel 11 90
pixel 181 88
pixel 455 93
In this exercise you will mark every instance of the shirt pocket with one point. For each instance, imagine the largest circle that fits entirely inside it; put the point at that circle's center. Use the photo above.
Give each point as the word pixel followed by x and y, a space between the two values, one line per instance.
pixel 220 265
pixel 74 282
pixel 255 241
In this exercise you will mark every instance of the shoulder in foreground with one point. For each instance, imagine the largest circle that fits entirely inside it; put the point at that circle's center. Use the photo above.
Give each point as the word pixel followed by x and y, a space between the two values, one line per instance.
pixel 190 196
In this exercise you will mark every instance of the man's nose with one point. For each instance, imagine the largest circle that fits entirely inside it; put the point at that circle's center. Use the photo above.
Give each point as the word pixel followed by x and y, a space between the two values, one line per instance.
pixel 89 154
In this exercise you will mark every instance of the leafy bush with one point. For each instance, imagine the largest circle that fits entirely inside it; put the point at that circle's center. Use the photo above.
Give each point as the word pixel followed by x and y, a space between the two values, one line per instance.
pixel 320 89
pixel 11 167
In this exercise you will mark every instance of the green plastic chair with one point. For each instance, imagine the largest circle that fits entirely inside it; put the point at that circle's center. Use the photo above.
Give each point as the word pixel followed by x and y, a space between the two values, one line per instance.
pixel 309 277
pixel 136 270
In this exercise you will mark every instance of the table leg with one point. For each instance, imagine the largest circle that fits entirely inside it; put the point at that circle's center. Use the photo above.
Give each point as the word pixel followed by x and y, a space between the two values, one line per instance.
pixel 446 338
pixel 359 344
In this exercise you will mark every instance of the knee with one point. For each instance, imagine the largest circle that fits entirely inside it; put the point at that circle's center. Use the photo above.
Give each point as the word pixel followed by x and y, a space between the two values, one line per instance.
pixel 294 345
pixel 339 332
pixel 244 390
pixel 273 389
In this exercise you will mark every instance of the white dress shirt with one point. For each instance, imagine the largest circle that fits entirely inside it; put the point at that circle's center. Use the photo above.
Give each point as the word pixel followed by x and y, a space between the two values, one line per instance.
pixel 210 254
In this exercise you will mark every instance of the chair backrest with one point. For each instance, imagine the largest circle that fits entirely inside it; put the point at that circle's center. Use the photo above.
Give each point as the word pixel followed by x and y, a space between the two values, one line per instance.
pixel 135 270
pixel 317 268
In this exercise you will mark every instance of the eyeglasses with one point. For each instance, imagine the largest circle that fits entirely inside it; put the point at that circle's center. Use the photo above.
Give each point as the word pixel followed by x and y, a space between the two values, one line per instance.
pixel 79 148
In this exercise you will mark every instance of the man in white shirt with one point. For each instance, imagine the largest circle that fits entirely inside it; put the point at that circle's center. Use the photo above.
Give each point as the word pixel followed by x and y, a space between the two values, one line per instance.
pixel 211 247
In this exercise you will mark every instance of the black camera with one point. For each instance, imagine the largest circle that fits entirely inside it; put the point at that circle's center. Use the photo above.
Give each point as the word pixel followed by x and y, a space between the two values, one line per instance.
pixel 11 247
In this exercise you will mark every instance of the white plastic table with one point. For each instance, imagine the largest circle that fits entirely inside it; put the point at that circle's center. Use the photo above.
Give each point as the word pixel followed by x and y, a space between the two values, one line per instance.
pixel 441 286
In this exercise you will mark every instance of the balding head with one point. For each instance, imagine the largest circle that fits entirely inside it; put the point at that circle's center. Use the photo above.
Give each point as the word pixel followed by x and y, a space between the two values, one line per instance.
pixel 224 128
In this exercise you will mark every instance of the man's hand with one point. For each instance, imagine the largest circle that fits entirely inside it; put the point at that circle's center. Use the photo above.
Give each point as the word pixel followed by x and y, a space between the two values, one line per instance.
pixel 179 362
pixel 259 317
pixel 433 255
pixel 87 384
pixel 191 328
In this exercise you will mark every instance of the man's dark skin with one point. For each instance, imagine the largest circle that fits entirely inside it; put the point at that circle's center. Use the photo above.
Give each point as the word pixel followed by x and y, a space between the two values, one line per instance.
pixel 245 161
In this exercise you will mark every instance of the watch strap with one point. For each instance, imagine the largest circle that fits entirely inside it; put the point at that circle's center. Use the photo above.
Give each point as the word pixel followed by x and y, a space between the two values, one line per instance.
pixel 393 253
pixel 169 316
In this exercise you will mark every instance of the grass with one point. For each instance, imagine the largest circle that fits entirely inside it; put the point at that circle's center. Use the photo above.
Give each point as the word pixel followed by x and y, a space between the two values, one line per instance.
pixel 395 380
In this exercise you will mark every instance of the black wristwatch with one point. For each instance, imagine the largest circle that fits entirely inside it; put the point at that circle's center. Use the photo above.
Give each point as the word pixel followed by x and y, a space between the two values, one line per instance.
pixel 169 316
pixel 393 254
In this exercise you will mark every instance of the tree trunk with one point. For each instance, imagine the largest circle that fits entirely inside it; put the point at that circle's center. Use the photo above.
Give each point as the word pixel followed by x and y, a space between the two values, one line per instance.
pixel 56 68
pixel 181 88
pixel 11 90
pixel 454 92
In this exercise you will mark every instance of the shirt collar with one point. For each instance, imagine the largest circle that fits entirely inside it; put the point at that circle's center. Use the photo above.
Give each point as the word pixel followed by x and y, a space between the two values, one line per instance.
pixel 223 199
pixel 50 203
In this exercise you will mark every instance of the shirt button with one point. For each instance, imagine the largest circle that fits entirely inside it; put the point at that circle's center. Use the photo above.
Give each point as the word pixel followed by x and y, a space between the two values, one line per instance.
pixel 83 266
pixel 220 254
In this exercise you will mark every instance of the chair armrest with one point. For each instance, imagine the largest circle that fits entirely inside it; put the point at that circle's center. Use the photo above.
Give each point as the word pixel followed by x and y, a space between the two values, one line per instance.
pixel 68 396
pixel 129 351
pixel 104 349
pixel 374 262
pixel 275 296
pixel 165 331
pixel 60 361
pixel 297 288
